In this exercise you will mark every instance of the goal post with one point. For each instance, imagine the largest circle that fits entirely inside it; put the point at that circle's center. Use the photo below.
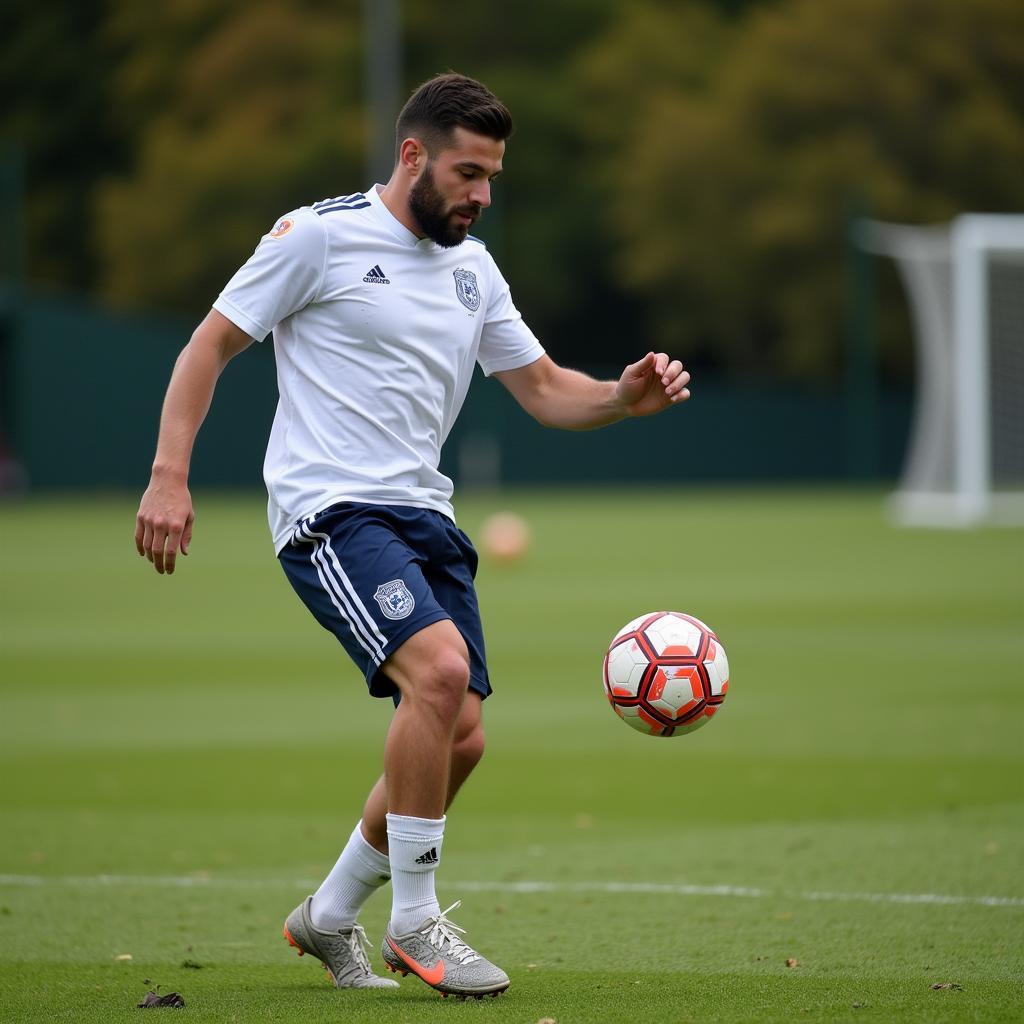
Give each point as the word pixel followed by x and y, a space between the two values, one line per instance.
pixel 965 287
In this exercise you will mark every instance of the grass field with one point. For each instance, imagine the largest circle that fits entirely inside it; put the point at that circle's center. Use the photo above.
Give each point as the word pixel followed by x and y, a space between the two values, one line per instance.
pixel 183 757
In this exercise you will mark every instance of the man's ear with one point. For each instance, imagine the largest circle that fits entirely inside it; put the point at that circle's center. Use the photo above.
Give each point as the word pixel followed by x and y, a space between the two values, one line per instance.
pixel 412 156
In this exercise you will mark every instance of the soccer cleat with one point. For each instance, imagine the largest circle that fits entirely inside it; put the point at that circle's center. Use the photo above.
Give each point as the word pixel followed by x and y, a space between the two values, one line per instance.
pixel 434 953
pixel 342 953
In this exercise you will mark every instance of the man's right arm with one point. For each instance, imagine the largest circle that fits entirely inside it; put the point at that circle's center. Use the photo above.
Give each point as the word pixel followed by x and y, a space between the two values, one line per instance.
pixel 163 526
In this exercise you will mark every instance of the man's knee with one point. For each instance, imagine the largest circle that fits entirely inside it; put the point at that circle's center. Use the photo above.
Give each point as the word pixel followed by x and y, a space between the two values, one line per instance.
pixel 432 670
pixel 439 684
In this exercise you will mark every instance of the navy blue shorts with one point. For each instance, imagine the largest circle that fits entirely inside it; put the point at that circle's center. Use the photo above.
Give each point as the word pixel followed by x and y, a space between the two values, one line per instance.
pixel 375 574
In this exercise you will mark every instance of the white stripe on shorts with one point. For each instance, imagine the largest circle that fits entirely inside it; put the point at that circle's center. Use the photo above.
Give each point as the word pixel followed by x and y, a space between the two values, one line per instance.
pixel 342 594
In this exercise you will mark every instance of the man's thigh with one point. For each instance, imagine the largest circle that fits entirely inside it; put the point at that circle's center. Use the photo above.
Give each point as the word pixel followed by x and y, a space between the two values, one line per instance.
pixel 362 582
pixel 375 576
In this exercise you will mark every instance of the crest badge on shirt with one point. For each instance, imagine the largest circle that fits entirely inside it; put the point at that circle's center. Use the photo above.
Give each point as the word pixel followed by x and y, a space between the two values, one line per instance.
pixel 466 289
pixel 282 228
pixel 395 599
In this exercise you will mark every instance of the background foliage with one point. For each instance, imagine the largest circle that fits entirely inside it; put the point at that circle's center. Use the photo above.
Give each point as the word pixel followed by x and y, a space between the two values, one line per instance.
pixel 681 173
pixel 729 185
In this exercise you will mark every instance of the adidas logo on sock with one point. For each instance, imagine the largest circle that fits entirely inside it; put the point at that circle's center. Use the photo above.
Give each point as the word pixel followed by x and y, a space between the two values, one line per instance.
pixel 376 276
pixel 430 857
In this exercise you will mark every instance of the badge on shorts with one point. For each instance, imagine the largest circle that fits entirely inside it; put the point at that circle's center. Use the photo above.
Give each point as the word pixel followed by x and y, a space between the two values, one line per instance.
pixel 466 289
pixel 395 600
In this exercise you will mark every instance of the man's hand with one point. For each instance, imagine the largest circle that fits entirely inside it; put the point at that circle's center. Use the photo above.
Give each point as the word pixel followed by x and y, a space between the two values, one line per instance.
pixel 652 384
pixel 163 526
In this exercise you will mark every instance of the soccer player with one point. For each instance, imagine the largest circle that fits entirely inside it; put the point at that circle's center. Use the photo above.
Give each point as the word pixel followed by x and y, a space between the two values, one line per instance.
pixel 380 304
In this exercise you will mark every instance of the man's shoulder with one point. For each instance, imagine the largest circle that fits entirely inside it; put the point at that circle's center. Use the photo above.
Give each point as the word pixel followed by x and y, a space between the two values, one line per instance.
pixel 344 216
pixel 347 220
pixel 340 205
pixel 473 251
pixel 297 235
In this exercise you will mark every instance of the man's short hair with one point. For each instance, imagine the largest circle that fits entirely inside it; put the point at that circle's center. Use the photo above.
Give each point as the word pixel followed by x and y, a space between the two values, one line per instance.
pixel 450 101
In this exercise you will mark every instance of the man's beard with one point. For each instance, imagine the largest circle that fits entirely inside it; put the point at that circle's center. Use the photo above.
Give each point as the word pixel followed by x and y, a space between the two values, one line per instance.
pixel 433 215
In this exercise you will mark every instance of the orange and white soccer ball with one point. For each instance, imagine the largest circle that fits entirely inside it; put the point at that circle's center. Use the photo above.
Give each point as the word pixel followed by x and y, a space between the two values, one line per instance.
pixel 665 673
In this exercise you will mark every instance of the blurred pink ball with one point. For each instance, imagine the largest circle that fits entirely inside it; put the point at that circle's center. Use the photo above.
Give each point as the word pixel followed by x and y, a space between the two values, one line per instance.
pixel 505 537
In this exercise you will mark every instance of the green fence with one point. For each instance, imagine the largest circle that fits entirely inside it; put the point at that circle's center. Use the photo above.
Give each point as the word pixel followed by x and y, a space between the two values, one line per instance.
pixel 83 387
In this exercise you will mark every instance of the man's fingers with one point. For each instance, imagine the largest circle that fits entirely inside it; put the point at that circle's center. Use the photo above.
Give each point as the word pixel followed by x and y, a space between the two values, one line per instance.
pixel 159 543
pixel 163 525
pixel 671 371
pixel 147 540
pixel 653 383
pixel 677 381
pixel 171 552
pixel 641 366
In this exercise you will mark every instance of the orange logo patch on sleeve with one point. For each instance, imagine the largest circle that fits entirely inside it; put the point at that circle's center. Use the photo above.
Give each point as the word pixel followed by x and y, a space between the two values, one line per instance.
pixel 283 227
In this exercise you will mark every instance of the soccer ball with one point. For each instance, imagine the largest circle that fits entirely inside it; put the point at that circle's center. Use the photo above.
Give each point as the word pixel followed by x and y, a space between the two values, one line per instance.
pixel 505 537
pixel 665 673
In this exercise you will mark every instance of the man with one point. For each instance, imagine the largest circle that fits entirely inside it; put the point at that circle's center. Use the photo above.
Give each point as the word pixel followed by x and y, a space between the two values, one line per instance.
pixel 380 303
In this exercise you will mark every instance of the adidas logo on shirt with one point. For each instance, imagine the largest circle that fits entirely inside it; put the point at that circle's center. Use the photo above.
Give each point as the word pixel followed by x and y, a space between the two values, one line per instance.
pixel 376 276
pixel 430 857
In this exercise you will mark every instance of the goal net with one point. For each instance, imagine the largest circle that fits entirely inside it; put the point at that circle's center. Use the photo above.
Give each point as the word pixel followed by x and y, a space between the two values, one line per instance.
pixel 965 286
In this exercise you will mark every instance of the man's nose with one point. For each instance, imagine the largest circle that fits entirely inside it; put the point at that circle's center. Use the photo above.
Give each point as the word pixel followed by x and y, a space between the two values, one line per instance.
pixel 480 194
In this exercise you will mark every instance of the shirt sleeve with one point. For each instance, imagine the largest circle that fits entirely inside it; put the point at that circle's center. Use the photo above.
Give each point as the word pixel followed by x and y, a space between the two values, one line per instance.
pixel 506 343
pixel 283 275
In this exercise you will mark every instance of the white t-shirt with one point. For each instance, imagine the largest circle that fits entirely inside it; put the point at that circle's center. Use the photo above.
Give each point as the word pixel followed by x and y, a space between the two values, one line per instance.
pixel 376 333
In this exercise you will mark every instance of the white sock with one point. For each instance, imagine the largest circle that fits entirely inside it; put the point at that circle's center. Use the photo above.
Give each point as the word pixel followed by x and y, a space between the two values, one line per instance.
pixel 414 848
pixel 360 871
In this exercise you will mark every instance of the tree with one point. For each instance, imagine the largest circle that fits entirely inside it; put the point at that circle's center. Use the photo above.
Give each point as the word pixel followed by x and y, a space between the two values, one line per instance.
pixel 242 111
pixel 54 78
pixel 730 154
pixel 541 228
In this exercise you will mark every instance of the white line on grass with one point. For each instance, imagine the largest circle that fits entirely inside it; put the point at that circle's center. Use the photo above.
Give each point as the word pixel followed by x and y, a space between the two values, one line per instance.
pixel 656 888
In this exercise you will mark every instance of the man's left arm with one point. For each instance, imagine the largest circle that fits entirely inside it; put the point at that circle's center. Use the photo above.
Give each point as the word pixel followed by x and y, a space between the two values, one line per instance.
pixel 559 397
